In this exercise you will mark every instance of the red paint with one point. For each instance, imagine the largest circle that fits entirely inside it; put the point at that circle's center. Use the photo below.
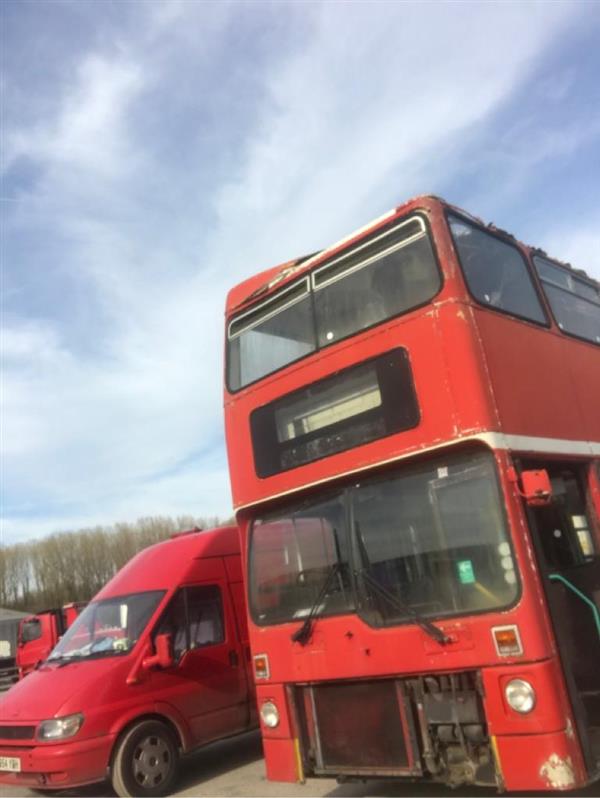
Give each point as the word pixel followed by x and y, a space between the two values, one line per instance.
pixel 207 695
pixel 527 761
pixel 477 372
pixel 280 760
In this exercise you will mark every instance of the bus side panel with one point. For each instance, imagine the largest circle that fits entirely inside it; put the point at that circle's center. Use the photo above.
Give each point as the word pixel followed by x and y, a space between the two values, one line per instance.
pixel 528 361
pixel 472 398
pixel 583 361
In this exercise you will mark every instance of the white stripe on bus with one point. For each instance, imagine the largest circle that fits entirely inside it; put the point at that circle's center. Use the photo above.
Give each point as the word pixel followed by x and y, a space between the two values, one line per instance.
pixel 495 440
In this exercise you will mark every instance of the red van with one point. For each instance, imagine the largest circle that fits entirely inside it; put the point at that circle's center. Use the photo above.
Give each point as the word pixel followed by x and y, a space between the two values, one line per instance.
pixel 38 634
pixel 156 665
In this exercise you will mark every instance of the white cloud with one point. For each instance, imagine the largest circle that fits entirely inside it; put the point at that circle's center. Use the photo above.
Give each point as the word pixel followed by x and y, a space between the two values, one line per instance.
pixel 579 246
pixel 369 98
pixel 89 132
pixel 346 123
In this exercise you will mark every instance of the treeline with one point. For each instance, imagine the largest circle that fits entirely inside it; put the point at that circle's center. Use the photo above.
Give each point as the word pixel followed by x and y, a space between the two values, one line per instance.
pixel 73 566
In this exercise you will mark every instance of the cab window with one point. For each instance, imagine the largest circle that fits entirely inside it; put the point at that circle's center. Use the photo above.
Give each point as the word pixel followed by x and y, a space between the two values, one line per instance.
pixel 193 618
pixel 31 630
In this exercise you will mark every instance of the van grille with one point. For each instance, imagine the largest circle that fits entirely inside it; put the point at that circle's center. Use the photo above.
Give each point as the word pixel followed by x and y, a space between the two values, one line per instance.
pixel 17 732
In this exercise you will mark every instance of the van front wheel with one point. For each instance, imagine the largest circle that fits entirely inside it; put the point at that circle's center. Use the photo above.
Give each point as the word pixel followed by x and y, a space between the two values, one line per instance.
pixel 146 761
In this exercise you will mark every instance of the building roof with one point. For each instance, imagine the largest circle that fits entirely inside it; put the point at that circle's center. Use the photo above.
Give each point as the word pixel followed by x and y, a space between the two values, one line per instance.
pixel 12 615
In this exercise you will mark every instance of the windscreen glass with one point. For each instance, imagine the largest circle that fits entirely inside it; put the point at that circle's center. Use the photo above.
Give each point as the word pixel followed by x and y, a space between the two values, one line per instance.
pixel 292 555
pixel 390 273
pixel 575 303
pixel 496 272
pixel 31 630
pixel 109 627
pixel 430 540
pixel 435 539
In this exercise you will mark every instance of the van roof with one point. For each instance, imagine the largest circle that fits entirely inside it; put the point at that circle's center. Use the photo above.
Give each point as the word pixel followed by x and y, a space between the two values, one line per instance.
pixel 160 566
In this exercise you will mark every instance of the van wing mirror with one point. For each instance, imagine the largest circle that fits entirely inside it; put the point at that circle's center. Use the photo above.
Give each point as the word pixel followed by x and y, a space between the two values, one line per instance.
pixel 535 487
pixel 163 658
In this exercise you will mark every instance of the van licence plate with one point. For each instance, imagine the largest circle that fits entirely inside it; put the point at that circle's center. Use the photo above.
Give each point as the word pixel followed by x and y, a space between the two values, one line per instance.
pixel 10 763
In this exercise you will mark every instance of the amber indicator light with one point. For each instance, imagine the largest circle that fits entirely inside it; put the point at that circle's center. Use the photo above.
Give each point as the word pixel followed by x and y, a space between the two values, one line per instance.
pixel 507 641
pixel 261 666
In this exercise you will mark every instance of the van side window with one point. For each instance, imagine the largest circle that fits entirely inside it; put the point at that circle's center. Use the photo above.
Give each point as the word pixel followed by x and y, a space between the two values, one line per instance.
pixel 205 613
pixel 173 622
pixel 193 618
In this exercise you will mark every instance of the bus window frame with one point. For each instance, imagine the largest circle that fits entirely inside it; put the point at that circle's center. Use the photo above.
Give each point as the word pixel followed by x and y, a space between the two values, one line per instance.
pixel 525 257
pixel 371 237
pixel 553 315
pixel 513 527
pixel 411 386
pixel 331 492
pixel 593 499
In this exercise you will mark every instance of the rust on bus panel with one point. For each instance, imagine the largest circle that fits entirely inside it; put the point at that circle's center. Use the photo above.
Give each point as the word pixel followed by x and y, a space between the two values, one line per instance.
pixel 558 773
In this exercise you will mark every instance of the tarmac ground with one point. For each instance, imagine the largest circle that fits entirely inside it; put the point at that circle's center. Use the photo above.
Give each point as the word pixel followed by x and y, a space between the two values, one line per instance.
pixel 235 768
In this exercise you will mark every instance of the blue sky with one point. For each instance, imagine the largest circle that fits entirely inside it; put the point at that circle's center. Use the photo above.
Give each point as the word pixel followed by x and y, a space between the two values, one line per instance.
pixel 154 154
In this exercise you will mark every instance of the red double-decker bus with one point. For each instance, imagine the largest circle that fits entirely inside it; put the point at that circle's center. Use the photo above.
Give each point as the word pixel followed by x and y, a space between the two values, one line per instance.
pixel 413 430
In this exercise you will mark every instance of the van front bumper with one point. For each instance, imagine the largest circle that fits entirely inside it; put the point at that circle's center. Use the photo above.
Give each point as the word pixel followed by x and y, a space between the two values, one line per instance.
pixel 56 765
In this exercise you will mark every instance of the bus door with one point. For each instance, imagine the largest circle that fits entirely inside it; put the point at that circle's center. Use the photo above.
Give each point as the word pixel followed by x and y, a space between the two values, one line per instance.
pixel 568 551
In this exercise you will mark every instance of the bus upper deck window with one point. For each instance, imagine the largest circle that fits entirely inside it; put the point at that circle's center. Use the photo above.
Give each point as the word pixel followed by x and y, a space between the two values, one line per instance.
pixel 496 272
pixel 575 302
pixel 390 276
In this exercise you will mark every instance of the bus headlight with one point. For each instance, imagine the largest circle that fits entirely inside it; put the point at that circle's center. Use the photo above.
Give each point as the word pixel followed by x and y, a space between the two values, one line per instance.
pixel 269 714
pixel 520 695
pixel 60 728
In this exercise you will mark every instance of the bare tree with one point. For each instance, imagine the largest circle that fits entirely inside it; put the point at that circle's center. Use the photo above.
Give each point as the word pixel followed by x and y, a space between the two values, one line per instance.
pixel 73 566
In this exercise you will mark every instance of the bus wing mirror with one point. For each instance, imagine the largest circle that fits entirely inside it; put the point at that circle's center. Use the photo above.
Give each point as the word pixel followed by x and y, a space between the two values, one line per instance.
pixel 535 488
pixel 163 657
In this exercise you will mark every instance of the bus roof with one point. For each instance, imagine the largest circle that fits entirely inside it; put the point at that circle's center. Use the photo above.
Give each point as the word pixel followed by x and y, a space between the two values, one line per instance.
pixel 261 284
pixel 167 563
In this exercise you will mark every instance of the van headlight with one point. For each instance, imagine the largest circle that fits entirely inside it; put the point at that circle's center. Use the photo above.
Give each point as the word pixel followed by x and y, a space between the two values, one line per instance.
pixel 60 728
pixel 269 714
pixel 520 695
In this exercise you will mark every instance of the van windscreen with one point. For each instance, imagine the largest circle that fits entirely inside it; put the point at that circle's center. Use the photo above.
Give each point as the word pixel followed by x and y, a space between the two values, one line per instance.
pixel 107 628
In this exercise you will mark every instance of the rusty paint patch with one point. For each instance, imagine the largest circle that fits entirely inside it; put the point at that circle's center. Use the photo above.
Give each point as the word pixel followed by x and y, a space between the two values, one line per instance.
pixel 558 773
pixel 569 730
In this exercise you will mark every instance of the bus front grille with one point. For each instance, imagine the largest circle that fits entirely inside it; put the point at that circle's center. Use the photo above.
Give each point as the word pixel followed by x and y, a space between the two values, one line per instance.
pixel 357 727
pixel 431 726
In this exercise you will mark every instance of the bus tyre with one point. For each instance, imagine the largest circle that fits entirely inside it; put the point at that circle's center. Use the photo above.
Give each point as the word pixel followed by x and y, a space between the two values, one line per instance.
pixel 146 761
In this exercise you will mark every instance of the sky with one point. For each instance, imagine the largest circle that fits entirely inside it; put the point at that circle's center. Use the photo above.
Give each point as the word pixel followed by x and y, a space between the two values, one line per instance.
pixel 154 154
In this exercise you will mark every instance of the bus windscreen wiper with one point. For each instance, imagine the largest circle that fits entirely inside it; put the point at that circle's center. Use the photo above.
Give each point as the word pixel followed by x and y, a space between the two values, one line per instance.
pixel 431 629
pixel 302 635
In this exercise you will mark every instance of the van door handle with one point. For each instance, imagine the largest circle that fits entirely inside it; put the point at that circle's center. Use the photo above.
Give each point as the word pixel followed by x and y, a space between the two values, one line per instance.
pixel 234 660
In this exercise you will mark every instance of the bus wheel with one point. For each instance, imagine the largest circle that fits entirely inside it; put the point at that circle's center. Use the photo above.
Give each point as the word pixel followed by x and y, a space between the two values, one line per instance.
pixel 146 761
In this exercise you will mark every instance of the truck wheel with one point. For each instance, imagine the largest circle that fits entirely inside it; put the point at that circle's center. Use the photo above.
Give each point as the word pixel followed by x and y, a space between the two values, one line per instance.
pixel 146 761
